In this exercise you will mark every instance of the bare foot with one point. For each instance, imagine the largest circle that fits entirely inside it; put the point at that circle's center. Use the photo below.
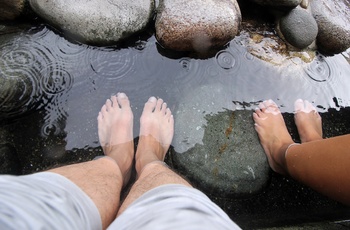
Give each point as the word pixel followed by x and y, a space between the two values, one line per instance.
pixel 115 132
pixel 273 134
pixel 156 133
pixel 308 121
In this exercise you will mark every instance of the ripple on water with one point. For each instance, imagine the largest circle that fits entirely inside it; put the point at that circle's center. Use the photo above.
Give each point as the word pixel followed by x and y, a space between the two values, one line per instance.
pixel 189 74
pixel 112 64
pixel 320 69
pixel 229 60
pixel 55 79
pixel 19 76
pixel 31 72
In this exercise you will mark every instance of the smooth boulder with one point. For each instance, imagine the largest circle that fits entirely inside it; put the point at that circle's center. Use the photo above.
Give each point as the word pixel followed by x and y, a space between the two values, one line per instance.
pixel 279 3
pixel 298 27
pixel 96 21
pixel 194 25
pixel 11 9
pixel 216 147
pixel 333 20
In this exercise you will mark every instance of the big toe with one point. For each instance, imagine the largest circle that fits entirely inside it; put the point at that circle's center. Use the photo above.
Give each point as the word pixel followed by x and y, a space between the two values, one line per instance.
pixel 123 100
pixel 269 106
pixel 150 105
pixel 303 106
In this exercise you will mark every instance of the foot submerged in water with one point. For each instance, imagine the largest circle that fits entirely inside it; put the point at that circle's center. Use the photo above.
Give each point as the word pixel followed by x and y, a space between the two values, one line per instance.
pixel 115 132
pixel 156 133
pixel 308 121
pixel 273 134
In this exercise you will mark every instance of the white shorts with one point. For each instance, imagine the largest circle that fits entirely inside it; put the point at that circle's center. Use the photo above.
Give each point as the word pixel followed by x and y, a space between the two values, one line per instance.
pixel 49 201
pixel 173 207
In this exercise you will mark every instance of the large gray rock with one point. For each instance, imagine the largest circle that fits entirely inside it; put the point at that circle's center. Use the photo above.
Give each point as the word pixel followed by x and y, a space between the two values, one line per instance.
pixel 197 25
pixel 279 3
pixel 298 27
pixel 11 9
pixel 96 21
pixel 9 162
pixel 333 19
pixel 217 148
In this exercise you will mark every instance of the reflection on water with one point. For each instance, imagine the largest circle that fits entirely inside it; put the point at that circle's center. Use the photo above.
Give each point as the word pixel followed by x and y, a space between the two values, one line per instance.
pixel 70 82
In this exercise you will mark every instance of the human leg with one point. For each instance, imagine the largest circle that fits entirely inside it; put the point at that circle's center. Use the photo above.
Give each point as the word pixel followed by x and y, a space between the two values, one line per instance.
pixel 273 134
pixel 322 164
pixel 102 179
pixel 156 133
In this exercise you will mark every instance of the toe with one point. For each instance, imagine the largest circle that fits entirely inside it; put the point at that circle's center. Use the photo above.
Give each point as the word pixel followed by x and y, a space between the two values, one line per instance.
pixel 168 113
pixel 150 105
pixel 104 110
pixel 309 107
pixel 108 104
pixel 270 103
pixel 123 100
pixel 159 104
pixel 99 117
pixel 258 115
pixel 114 101
pixel 262 105
pixel 298 105
pixel 171 120
pixel 164 108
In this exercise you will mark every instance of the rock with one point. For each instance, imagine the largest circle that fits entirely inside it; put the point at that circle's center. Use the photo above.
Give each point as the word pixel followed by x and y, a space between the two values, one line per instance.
pixel 9 162
pixel 194 25
pixel 278 3
pixel 11 9
pixel 333 20
pixel 216 148
pixel 305 4
pixel 96 21
pixel 298 27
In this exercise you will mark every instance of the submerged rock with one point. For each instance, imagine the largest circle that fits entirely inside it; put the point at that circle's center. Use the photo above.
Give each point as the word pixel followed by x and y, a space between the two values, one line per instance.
pixel 96 21
pixel 217 148
pixel 298 27
pixel 11 9
pixel 333 20
pixel 193 25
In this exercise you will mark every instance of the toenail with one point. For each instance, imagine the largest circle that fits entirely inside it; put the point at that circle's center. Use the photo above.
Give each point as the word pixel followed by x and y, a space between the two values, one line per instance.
pixel 121 95
pixel 152 99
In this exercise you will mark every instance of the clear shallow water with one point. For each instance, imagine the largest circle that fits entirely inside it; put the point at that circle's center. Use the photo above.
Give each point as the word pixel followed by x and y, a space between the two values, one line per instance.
pixel 70 82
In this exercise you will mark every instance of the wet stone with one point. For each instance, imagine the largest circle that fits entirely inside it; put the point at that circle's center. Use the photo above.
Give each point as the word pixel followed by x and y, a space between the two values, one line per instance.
pixel 95 21
pixel 193 25
pixel 9 162
pixel 217 148
pixel 333 20
pixel 11 9
pixel 299 28
pixel 279 3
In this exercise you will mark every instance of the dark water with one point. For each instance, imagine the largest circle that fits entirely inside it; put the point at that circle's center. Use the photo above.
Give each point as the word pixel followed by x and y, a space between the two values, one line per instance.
pixel 58 87
pixel 69 82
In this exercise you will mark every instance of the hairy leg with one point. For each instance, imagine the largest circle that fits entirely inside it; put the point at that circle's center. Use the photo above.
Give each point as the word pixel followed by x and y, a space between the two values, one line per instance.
pixel 156 133
pixel 102 179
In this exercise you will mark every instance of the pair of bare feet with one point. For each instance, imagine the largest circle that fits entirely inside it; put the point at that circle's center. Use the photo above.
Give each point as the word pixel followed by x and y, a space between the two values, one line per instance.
pixel 115 131
pixel 274 136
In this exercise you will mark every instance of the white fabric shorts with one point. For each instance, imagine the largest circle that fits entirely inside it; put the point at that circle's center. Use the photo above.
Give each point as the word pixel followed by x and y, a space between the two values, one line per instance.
pixel 45 201
pixel 49 201
pixel 173 207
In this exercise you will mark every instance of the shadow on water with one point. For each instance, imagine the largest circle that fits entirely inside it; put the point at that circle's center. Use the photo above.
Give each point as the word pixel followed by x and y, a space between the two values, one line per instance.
pixel 51 91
